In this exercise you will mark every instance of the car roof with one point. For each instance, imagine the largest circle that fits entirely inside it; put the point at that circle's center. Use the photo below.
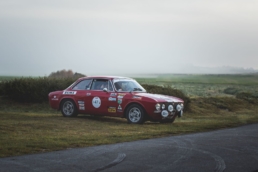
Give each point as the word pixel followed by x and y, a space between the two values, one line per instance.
pixel 105 77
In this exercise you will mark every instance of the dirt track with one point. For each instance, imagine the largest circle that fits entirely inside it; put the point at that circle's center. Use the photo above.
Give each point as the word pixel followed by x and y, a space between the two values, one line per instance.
pixel 223 150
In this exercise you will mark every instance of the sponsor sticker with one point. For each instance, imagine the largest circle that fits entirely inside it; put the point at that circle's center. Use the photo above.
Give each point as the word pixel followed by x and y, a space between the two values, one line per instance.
pixel 119 101
pixel 96 102
pixel 112 99
pixel 119 108
pixel 120 95
pixel 81 105
pixel 69 92
pixel 54 98
pixel 137 97
pixel 113 94
pixel 112 109
pixel 82 108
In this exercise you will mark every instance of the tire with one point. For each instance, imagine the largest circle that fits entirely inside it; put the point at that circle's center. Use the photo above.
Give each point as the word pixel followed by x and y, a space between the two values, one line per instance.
pixel 68 108
pixel 135 114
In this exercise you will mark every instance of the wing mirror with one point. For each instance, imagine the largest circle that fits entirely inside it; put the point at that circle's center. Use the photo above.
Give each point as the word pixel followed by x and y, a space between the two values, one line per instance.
pixel 105 90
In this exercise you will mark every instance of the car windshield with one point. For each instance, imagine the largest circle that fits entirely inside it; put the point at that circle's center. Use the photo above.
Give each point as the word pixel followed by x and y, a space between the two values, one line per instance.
pixel 128 85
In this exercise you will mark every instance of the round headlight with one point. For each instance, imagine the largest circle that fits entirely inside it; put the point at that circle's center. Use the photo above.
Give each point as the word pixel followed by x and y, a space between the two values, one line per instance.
pixel 178 107
pixel 164 113
pixel 170 108
pixel 163 106
pixel 157 106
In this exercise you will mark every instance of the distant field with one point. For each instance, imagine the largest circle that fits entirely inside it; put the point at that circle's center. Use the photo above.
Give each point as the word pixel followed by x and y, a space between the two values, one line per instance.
pixel 205 85
pixel 251 79
pixel 6 78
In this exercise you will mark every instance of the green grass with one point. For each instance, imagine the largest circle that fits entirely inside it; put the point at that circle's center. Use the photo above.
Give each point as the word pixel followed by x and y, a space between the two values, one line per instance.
pixel 205 85
pixel 239 79
pixel 26 129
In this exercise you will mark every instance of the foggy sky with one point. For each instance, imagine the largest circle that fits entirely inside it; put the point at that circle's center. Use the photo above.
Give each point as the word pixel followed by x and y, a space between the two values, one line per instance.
pixel 38 37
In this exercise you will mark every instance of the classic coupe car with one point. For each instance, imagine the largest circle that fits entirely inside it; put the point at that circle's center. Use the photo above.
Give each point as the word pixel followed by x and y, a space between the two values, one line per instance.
pixel 116 97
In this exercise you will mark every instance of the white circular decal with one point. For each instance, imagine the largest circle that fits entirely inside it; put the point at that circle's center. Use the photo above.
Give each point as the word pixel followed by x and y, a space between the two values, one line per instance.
pixel 96 102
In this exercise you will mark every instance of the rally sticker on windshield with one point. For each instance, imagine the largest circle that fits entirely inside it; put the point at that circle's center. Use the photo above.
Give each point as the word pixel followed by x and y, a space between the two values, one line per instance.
pixel 96 102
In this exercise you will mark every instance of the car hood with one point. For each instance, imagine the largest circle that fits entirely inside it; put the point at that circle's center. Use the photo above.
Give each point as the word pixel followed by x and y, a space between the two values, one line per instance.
pixel 159 97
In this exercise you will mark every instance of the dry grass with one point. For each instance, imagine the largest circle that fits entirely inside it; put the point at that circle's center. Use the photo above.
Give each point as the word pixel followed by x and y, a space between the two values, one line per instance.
pixel 26 132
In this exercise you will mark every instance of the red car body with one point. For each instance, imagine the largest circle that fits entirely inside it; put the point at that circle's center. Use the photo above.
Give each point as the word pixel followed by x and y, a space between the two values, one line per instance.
pixel 116 97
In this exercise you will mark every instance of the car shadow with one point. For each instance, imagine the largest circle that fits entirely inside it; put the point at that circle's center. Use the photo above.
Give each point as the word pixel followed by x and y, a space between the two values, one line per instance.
pixel 102 118
pixel 112 119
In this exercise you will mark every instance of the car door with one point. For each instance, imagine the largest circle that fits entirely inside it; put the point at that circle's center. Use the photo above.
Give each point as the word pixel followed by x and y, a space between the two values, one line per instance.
pixel 82 88
pixel 96 98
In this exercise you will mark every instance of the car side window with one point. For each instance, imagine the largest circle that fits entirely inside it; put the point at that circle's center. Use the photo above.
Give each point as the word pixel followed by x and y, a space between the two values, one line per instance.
pixel 83 85
pixel 99 84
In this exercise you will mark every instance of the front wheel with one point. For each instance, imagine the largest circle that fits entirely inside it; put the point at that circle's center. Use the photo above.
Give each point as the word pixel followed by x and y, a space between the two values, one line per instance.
pixel 135 114
pixel 68 108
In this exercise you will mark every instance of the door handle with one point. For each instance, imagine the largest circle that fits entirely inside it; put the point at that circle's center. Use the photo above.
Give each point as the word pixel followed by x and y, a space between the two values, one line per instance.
pixel 88 94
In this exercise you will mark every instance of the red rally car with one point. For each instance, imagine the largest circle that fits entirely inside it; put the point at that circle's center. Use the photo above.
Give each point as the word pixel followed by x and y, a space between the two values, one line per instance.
pixel 116 97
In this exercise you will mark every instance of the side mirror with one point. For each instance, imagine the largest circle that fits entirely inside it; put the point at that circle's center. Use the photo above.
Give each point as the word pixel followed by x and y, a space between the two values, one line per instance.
pixel 105 90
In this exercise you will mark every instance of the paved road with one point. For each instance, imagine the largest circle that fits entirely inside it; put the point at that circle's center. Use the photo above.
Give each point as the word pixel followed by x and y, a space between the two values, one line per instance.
pixel 223 150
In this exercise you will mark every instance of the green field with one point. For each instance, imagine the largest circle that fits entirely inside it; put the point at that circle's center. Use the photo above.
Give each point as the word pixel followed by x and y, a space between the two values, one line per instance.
pixel 34 127
pixel 205 85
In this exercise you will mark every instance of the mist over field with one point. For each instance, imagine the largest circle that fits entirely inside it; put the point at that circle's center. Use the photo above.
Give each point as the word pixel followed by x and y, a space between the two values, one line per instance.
pixel 128 37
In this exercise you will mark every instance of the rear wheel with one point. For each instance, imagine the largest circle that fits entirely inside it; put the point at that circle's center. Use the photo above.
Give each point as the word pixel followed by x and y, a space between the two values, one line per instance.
pixel 135 114
pixel 68 108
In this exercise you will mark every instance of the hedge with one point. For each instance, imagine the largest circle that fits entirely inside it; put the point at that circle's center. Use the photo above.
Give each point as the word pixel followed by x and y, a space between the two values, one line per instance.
pixel 36 90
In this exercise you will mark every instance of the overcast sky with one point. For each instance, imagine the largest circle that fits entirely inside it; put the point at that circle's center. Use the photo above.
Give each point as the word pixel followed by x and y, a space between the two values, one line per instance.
pixel 38 37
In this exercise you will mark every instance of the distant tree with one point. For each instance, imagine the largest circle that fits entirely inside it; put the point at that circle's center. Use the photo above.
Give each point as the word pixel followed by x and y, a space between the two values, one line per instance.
pixel 65 74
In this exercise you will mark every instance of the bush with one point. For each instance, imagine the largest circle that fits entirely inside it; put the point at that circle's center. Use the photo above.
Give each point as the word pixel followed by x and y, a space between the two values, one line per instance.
pixel 33 89
pixel 1 89
pixel 251 98
pixel 216 105
pixel 231 91
pixel 167 90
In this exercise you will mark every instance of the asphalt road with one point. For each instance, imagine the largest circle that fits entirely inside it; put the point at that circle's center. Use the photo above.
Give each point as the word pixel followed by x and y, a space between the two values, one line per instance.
pixel 233 150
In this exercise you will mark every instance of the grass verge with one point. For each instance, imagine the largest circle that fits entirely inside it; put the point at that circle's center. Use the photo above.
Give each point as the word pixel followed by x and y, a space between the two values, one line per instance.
pixel 34 129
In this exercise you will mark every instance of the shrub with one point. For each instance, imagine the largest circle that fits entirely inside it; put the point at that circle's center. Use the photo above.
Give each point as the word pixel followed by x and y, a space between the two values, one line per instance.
pixel 231 91
pixel 251 98
pixel 1 89
pixel 167 90
pixel 33 89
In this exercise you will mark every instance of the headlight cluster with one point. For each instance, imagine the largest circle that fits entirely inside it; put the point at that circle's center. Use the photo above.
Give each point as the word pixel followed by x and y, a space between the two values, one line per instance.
pixel 170 108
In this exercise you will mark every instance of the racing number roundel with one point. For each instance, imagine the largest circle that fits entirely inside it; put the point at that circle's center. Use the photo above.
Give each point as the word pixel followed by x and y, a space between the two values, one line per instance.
pixel 96 102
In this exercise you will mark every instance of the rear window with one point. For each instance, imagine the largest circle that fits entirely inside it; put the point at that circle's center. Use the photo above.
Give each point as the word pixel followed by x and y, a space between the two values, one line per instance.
pixel 83 85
